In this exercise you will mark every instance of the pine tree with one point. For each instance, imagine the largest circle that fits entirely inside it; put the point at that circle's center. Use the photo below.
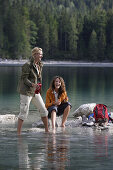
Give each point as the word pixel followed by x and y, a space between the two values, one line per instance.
pixel 33 34
pixel 101 46
pixel 93 46
pixel 42 39
pixel 1 33
pixel 53 36
pixel 73 37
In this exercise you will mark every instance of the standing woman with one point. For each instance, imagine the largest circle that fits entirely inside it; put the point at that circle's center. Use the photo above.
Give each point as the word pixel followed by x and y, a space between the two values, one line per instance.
pixel 57 101
pixel 30 77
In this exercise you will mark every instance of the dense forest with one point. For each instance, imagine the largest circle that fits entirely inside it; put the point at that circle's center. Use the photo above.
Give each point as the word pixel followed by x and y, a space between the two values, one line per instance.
pixel 65 29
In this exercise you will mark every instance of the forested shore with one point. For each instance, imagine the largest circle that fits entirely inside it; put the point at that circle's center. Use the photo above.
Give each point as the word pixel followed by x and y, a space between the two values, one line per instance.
pixel 78 30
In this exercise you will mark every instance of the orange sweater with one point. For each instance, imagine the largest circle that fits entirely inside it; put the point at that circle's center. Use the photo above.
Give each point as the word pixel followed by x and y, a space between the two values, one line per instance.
pixel 50 98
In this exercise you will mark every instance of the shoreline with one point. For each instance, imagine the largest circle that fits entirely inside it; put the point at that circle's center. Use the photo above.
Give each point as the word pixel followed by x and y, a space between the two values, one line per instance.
pixel 58 63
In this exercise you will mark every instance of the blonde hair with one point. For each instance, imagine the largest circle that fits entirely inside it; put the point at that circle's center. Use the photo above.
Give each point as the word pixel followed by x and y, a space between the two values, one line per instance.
pixel 36 50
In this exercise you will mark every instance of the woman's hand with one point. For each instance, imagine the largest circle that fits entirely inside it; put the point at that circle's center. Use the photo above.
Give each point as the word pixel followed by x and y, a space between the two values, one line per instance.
pixel 58 102
pixel 35 86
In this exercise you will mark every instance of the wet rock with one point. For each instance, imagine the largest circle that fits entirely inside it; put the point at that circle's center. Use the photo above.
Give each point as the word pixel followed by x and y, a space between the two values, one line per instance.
pixel 85 109
pixel 8 118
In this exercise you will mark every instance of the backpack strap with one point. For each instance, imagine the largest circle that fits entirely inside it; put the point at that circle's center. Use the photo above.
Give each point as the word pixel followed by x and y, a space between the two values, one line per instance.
pixel 111 119
pixel 103 111
pixel 96 111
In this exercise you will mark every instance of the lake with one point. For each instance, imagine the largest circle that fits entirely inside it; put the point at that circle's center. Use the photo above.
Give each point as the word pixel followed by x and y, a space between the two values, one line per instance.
pixel 73 148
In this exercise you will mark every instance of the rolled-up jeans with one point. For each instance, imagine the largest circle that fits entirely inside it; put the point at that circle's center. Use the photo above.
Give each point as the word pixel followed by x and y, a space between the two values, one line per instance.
pixel 38 103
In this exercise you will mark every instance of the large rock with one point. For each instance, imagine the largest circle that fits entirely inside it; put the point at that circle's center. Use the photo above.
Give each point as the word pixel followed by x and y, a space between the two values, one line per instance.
pixel 85 109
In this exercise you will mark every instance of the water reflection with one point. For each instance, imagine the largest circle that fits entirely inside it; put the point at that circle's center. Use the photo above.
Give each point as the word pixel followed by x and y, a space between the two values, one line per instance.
pixel 24 160
pixel 51 152
pixel 58 152
pixel 101 146
pixel 30 158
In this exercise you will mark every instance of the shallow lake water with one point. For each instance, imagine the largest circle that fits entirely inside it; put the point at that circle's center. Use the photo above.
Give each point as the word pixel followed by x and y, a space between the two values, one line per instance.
pixel 74 148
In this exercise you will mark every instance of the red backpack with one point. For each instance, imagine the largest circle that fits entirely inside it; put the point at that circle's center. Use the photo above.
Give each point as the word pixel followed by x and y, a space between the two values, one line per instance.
pixel 100 112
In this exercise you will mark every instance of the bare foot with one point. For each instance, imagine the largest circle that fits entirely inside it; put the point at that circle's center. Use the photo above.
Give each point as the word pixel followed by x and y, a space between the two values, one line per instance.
pixel 62 125
pixel 47 131
pixel 19 134
pixel 54 131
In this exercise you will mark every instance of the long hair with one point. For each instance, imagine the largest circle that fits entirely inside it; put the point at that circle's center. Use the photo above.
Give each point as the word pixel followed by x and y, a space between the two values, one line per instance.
pixel 62 87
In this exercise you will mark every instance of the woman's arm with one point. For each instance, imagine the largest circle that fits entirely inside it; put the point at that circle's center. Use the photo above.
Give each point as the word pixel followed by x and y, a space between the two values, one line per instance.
pixel 49 101
pixel 64 97
pixel 25 75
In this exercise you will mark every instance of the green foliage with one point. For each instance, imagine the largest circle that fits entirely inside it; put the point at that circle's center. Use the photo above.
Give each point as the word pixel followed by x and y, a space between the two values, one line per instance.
pixel 53 36
pixel 33 33
pixel 109 34
pixel 101 46
pixel 65 29
pixel 93 48
pixel 73 37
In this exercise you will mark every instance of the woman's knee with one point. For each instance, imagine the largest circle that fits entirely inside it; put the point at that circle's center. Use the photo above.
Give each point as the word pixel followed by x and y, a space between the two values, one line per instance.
pixel 68 108
pixel 53 112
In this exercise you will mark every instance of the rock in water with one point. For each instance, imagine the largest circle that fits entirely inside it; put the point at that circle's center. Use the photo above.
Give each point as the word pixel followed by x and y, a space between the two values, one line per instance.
pixel 85 109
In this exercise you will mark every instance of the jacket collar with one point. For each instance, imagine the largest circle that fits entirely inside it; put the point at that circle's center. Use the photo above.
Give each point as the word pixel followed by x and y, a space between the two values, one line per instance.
pixel 40 63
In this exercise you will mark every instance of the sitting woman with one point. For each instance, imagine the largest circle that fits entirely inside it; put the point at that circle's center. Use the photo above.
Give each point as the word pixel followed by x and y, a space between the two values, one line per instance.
pixel 57 101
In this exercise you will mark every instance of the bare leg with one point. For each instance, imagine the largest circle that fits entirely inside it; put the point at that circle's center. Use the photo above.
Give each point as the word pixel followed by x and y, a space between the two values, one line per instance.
pixel 20 122
pixel 53 119
pixel 65 115
pixel 45 121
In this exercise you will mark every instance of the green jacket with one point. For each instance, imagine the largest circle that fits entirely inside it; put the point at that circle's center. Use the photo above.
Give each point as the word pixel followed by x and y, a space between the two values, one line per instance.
pixel 29 75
